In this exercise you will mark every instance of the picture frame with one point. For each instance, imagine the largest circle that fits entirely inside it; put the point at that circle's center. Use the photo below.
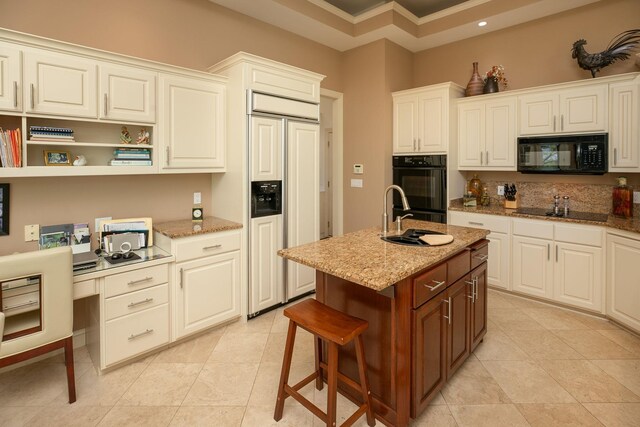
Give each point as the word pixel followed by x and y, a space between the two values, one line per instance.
pixel 4 209
pixel 57 158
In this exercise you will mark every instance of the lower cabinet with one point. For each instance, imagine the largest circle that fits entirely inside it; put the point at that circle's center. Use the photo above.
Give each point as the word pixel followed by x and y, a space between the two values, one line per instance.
pixel 447 327
pixel 532 266
pixel 623 292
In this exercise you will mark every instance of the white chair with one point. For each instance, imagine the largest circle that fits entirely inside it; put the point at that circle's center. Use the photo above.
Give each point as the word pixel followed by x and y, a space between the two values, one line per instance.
pixel 55 330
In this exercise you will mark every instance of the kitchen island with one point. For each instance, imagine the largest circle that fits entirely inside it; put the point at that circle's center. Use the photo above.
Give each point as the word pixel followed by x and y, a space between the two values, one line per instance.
pixel 426 308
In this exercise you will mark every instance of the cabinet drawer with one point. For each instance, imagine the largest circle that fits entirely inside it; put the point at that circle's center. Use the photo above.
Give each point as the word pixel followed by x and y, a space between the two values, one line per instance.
pixel 136 301
pixel 134 280
pixel 84 288
pixel 21 303
pixel 479 253
pixel 429 284
pixel 134 334
pixel 458 266
pixel 579 234
pixel 474 220
pixel 533 228
pixel 201 246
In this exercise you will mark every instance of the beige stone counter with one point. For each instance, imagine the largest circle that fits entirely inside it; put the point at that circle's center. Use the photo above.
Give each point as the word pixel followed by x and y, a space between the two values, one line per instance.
pixel 186 228
pixel 632 225
pixel 363 258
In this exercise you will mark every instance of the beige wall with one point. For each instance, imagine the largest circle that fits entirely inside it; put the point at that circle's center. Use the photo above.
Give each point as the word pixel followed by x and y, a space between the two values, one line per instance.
pixel 535 53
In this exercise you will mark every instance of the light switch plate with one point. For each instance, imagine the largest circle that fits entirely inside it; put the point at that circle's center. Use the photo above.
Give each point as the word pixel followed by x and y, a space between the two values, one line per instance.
pixel 358 169
pixel 197 198
pixel 31 233
pixel 357 183
pixel 636 197
pixel 500 190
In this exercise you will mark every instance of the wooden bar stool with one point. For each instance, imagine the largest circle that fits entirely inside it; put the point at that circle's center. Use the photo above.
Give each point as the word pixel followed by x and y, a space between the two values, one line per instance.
pixel 336 328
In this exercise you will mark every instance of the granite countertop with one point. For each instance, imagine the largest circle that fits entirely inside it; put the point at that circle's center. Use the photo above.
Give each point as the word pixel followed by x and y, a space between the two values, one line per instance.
pixel 186 228
pixel 363 258
pixel 632 225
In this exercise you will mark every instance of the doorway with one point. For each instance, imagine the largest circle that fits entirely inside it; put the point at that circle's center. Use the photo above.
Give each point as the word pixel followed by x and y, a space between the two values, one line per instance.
pixel 330 163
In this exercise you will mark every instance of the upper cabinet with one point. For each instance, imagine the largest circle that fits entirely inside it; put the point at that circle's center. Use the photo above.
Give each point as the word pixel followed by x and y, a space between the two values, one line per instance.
pixel 127 94
pixel 580 109
pixel 192 128
pixel 422 119
pixel 59 84
pixel 624 129
pixel 10 78
pixel 487 133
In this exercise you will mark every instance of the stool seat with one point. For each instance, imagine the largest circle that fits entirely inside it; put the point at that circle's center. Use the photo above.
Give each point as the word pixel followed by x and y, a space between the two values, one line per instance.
pixel 326 322
pixel 337 329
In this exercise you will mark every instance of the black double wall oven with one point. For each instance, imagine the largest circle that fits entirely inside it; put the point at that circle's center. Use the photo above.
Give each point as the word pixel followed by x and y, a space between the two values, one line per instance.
pixel 424 181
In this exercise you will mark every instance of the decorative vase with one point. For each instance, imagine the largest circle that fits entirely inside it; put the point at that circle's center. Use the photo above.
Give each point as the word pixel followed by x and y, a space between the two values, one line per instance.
pixel 491 85
pixel 474 87
pixel 474 186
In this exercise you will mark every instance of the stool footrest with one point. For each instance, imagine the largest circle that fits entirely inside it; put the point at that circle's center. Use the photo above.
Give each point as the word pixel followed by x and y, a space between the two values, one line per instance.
pixel 305 402
pixel 346 380
pixel 305 381
pixel 355 416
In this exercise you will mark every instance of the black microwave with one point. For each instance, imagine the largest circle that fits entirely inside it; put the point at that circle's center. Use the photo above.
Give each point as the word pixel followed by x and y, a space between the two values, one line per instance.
pixel 564 154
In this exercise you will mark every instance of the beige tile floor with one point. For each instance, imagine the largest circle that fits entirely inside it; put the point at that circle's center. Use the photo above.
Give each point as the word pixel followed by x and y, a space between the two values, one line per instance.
pixel 538 366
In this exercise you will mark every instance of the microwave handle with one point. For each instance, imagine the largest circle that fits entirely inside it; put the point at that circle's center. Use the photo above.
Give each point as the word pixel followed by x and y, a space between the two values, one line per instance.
pixel 579 156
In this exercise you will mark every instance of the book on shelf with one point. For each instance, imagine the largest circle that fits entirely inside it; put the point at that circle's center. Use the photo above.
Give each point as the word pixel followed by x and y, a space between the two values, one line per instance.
pixel 131 154
pixel 11 148
pixel 35 138
pixel 130 162
pixel 50 130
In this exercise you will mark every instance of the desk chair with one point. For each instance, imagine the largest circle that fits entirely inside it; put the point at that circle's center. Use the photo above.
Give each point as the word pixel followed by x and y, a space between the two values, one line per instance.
pixel 54 327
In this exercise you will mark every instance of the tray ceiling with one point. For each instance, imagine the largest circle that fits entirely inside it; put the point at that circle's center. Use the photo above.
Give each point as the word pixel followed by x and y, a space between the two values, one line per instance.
pixel 419 8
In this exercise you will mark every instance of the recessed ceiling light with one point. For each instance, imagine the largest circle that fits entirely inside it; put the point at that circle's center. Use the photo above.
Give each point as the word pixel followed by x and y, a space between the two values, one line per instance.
pixel 482 23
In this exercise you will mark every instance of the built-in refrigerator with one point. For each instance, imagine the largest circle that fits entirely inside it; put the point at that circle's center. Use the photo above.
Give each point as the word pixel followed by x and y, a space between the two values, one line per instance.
pixel 283 158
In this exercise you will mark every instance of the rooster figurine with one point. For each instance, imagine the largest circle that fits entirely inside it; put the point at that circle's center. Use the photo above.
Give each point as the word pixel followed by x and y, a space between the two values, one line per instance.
pixel 619 49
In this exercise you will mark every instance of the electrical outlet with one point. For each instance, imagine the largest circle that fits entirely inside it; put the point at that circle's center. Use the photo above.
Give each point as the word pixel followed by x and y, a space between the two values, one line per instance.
pixel 500 190
pixel 636 197
pixel 197 198
pixel 31 233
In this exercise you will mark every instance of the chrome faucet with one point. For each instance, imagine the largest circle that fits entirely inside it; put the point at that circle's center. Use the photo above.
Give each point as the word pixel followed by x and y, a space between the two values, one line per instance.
pixel 385 218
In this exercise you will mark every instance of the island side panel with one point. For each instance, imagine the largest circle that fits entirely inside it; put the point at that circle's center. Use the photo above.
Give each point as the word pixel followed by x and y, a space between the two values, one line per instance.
pixel 387 342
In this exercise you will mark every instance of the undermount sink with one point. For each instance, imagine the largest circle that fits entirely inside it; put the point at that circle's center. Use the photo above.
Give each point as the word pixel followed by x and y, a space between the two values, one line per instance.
pixel 411 237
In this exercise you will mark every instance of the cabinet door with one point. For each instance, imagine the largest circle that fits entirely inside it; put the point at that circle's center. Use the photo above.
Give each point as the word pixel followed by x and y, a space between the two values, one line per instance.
pixel 532 266
pixel 578 276
pixel 405 126
pixel 60 84
pixel 624 127
pixel 303 200
pixel 538 113
pixel 429 353
pixel 584 109
pixel 623 292
pixel 127 93
pixel 207 292
pixel 500 139
pixel 193 123
pixel 458 307
pixel 499 260
pixel 471 134
pixel 10 78
pixel 266 288
pixel 479 305
pixel 432 123
pixel 266 149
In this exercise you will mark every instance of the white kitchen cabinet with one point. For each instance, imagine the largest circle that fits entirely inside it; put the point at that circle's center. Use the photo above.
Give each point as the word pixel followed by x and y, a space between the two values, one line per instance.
pixel 499 262
pixel 192 128
pixel 624 127
pixel 623 291
pixel 266 149
pixel 266 267
pixel 487 134
pixel 421 119
pixel 59 84
pixel 205 280
pixel 532 266
pixel 578 275
pixel 127 93
pixel 303 200
pixel 580 109
pixel 10 78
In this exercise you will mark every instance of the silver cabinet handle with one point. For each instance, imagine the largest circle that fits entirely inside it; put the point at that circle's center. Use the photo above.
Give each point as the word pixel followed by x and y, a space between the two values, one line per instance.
pixel 32 101
pixel 548 251
pixel 438 284
pixel 11 307
pixel 133 304
pixel 615 156
pixel 105 105
pixel 181 277
pixel 167 152
pixel 481 159
pixel 135 282
pixel 554 123
pixel 15 94
pixel 473 292
pixel 562 122
pixel 206 248
pixel 556 253
pixel 481 257
pixel 476 223
pixel 475 289
pixel 448 301
pixel 487 162
pixel 419 147
pixel 414 144
pixel 134 336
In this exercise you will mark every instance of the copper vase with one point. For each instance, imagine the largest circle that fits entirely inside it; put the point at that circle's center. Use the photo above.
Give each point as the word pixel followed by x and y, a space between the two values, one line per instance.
pixel 475 85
